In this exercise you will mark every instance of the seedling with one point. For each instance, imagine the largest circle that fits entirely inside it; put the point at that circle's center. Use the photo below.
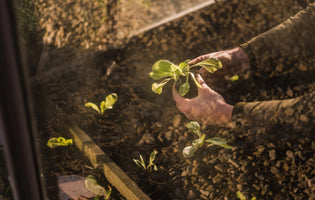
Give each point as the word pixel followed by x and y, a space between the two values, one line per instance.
pixel 148 167
pixel 242 197
pixel 234 78
pixel 110 100
pixel 167 71
pixel 194 126
pixel 92 185
pixel 60 141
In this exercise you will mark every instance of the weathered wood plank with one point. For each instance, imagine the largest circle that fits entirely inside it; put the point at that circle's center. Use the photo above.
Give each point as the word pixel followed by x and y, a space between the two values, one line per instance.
pixel 115 176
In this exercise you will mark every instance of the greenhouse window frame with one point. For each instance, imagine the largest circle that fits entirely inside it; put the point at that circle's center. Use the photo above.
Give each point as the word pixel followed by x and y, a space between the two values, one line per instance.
pixel 15 119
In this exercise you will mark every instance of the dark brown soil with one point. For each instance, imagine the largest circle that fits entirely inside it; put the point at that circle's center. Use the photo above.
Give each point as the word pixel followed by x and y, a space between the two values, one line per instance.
pixel 267 162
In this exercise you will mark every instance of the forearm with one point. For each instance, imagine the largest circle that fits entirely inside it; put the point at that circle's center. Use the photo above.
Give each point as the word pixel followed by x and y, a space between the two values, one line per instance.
pixel 296 112
pixel 291 39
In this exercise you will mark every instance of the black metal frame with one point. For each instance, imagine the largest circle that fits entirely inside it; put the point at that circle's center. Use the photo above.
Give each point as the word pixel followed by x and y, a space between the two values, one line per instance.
pixel 15 115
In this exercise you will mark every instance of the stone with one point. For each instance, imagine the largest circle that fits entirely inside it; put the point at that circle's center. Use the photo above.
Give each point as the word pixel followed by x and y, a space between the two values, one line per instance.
pixel 272 154
pixel 274 170
pixel 191 195
pixel 72 187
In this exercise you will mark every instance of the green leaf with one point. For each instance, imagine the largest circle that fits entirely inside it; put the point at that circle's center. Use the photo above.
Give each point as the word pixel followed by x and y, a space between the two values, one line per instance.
pixel 142 161
pixel 234 78
pixel 157 87
pixel 162 66
pixel 240 195
pixel 108 192
pixel 183 65
pixel 199 142
pixel 152 156
pixel 92 185
pixel 110 100
pixel 217 141
pixel 184 88
pixel 210 64
pixel 254 198
pixel 177 72
pixel 157 75
pixel 155 167
pixel 138 162
pixel 103 107
pixel 93 106
pixel 193 125
pixel 194 78
pixel 60 141
pixel 161 69
pixel 226 146
pixel 189 151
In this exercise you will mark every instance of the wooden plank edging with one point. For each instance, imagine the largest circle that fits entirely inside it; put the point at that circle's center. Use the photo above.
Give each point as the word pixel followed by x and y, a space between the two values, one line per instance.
pixel 115 176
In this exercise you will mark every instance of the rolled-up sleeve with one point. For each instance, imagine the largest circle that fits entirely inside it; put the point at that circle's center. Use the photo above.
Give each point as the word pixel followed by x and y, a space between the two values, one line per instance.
pixel 290 39
pixel 293 37
pixel 296 112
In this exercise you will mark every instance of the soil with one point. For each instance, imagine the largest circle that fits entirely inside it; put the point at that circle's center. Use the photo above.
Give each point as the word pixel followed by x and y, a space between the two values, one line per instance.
pixel 80 64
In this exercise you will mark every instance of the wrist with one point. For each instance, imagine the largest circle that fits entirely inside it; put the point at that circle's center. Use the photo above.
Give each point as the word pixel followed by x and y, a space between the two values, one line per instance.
pixel 240 59
pixel 227 113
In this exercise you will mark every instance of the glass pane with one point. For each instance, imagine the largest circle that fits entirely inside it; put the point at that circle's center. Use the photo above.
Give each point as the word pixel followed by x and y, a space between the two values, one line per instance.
pixel 89 69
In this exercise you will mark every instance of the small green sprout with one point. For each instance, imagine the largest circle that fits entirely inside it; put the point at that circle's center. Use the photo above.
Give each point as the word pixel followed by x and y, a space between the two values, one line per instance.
pixel 92 185
pixel 110 100
pixel 234 78
pixel 167 71
pixel 60 141
pixel 148 167
pixel 242 197
pixel 194 126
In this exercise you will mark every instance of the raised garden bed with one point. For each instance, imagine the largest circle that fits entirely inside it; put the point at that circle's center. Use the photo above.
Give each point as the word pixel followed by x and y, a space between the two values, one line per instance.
pixel 266 162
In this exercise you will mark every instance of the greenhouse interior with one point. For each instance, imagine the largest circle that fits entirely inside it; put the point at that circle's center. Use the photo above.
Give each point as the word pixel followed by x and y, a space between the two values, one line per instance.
pixel 157 99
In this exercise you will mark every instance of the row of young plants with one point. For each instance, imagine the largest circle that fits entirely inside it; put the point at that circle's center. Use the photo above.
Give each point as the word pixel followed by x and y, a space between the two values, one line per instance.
pixel 90 182
pixel 164 71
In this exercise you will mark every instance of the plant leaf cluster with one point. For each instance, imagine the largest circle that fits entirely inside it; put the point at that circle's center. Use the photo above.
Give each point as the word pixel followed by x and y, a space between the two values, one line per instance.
pixel 108 103
pixel 60 141
pixel 165 71
pixel 92 185
pixel 148 167
pixel 194 126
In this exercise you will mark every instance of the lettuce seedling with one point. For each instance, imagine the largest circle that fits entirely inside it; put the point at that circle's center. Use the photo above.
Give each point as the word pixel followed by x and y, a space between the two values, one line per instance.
pixel 194 126
pixel 148 167
pixel 57 142
pixel 110 100
pixel 165 71
pixel 92 185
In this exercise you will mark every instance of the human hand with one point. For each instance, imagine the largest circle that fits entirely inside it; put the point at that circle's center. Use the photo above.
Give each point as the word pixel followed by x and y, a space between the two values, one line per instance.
pixel 208 107
pixel 233 61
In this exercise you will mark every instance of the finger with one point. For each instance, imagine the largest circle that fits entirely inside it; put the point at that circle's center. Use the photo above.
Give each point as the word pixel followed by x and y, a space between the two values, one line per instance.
pixel 201 81
pixel 203 71
pixel 181 102
pixel 204 86
pixel 198 59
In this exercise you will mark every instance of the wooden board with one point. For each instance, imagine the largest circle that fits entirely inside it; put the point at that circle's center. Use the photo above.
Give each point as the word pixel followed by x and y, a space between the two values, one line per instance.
pixel 115 176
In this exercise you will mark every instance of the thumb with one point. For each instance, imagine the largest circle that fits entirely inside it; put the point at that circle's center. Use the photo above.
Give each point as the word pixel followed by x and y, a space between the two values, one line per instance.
pixel 204 87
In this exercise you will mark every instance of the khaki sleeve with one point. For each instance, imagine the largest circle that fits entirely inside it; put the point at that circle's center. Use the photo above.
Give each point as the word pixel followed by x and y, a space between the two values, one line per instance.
pixel 297 112
pixel 293 38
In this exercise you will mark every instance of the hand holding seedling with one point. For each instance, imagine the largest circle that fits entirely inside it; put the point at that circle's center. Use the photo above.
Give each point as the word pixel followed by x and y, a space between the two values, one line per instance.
pixel 208 107
pixel 166 71
pixel 233 61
